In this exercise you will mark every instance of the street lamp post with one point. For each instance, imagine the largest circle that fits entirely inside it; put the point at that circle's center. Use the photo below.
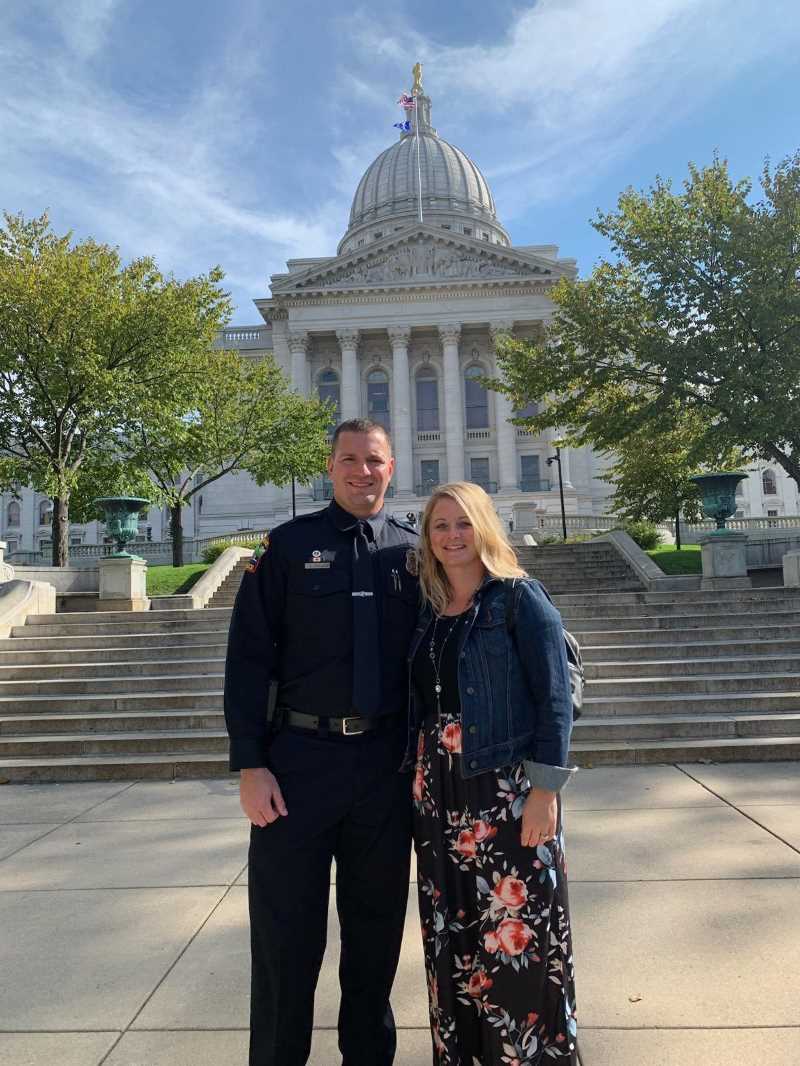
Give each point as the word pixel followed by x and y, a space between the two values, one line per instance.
pixel 294 502
pixel 557 459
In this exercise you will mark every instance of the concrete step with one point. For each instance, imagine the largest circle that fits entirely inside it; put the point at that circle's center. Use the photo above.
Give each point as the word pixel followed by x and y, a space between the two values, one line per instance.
pixel 147 653
pixel 699 684
pixel 782 608
pixel 693 703
pixel 206 700
pixel 111 669
pixel 692 668
pixel 114 767
pixel 156 624
pixel 706 620
pixel 192 636
pixel 77 619
pixel 732 597
pixel 161 742
pixel 109 721
pixel 687 750
pixel 83 686
pixel 631 654
pixel 594 638
pixel 675 726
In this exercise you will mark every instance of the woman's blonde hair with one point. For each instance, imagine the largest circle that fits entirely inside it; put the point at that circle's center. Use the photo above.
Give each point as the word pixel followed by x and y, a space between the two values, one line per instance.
pixel 491 542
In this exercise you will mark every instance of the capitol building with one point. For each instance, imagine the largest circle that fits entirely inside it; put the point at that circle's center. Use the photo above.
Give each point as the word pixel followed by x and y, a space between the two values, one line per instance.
pixel 399 326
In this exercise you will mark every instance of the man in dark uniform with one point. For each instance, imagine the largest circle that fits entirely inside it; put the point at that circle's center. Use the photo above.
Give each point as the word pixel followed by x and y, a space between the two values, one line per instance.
pixel 325 613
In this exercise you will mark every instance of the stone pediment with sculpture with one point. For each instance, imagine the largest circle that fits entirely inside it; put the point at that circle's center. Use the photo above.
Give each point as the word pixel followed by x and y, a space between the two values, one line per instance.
pixel 423 260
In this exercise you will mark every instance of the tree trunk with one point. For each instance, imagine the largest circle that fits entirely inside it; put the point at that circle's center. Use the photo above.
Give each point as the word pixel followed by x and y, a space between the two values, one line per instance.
pixel 60 531
pixel 678 530
pixel 176 531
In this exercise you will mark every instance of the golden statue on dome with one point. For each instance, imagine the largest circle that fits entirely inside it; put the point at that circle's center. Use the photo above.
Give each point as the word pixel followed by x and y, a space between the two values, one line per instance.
pixel 416 88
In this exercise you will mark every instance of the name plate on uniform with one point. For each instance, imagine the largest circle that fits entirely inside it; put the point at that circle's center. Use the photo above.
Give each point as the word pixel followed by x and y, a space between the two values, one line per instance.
pixel 318 562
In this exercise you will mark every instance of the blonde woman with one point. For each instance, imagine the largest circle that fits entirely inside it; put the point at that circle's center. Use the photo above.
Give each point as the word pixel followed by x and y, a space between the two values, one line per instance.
pixel 491 716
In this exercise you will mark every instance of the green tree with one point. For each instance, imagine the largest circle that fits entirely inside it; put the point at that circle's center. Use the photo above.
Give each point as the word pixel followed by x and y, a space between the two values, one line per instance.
pixel 700 312
pixel 86 343
pixel 243 417
pixel 651 473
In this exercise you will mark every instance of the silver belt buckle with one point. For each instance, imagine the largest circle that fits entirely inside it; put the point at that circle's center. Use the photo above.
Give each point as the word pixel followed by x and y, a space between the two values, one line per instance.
pixel 350 732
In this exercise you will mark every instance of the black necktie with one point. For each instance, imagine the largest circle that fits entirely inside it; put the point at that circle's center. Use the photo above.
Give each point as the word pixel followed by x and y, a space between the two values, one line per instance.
pixel 366 647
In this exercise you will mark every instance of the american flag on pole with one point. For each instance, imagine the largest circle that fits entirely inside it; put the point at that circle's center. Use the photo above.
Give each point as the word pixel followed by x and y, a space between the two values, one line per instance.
pixel 407 102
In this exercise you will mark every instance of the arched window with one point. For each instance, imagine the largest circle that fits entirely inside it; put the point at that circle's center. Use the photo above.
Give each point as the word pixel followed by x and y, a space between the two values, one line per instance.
pixel 328 389
pixel 769 483
pixel 378 398
pixel 427 399
pixel 476 401
pixel 13 514
pixel 45 512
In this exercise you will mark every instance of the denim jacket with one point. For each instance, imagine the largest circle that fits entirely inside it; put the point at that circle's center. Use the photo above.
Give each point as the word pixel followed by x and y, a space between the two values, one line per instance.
pixel 514 707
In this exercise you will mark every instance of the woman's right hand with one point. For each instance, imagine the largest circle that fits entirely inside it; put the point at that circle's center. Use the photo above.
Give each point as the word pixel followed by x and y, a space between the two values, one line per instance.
pixel 260 796
pixel 539 817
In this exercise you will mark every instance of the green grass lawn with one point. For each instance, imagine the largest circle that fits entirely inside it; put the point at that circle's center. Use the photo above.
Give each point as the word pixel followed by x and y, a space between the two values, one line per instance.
pixel 685 561
pixel 167 580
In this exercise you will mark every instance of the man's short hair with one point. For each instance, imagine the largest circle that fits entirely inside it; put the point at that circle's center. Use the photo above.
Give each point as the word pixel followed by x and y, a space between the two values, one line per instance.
pixel 359 425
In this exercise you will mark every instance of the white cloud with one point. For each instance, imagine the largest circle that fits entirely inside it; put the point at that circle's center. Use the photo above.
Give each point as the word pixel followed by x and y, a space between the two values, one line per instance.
pixel 164 184
pixel 575 85
pixel 84 23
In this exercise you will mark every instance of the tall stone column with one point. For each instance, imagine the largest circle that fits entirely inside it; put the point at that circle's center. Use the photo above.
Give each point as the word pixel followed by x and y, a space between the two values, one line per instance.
pixel 453 403
pixel 301 382
pixel 565 471
pixel 298 348
pixel 401 410
pixel 350 399
pixel 506 431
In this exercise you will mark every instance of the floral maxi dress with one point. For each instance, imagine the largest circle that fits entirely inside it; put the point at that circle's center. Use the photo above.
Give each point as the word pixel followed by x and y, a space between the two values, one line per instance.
pixel 494 914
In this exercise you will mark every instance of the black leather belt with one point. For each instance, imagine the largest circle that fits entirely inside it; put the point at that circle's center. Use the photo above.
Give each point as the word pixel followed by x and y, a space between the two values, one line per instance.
pixel 346 727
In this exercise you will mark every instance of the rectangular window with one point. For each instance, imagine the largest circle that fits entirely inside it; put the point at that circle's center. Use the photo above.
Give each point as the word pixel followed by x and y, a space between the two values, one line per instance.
pixel 479 472
pixel 530 470
pixel 427 404
pixel 429 473
pixel 468 231
pixel 772 514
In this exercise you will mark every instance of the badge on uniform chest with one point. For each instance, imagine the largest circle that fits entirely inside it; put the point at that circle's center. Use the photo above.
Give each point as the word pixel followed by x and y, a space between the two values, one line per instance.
pixel 320 560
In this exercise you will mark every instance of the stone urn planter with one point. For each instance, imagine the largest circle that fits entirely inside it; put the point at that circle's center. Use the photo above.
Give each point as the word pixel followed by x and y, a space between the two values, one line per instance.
pixel 121 516
pixel 724 551
pixel 718 492
pixel 123 576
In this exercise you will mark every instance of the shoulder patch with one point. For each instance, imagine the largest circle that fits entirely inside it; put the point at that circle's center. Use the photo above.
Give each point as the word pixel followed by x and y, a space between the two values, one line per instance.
pixel 258 555
pixel 412 562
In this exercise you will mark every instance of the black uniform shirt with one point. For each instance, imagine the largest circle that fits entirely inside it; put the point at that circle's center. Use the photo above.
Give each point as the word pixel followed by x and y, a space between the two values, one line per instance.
pixel 293 620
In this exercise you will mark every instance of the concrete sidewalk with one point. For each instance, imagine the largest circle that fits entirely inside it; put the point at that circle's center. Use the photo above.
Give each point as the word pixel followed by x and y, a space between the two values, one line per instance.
pixel 123 918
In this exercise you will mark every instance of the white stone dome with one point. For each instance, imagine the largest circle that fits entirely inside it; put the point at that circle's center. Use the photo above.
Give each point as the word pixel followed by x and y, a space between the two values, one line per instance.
pixel 455 194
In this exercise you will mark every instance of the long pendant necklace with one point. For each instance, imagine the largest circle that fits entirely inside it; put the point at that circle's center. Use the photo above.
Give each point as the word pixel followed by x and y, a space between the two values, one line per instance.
pixel 436 663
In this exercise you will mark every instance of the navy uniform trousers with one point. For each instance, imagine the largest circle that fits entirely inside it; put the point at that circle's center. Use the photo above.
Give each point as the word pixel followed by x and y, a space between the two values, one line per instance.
pixel 346 801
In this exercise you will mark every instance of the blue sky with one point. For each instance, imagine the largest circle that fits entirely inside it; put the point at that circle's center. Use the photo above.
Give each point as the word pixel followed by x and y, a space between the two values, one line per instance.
pixel 205 133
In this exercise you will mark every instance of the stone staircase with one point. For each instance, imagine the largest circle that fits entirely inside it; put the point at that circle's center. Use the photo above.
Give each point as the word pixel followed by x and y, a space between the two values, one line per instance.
pixel 691 676
pixel 226 593
pixel 592 566
pixel 108 695
pixel 683 676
